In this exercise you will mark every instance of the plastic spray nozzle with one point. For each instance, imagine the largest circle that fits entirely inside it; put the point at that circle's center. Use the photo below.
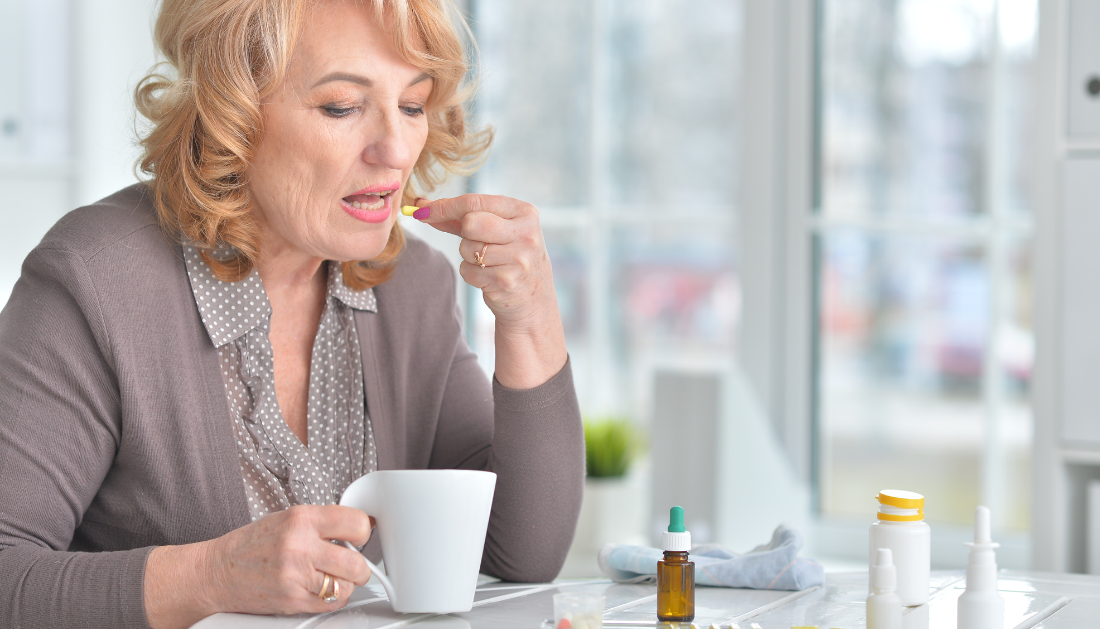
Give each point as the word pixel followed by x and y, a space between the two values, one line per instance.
pixel 982 529
pixel 981 605
pixel 676 520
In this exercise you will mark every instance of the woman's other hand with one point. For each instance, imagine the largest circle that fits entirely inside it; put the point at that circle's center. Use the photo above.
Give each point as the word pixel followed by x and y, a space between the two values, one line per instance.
pixel 275 565
pixel 503 254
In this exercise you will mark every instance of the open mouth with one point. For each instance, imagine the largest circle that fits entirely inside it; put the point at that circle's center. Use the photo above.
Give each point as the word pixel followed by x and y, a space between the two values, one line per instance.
pixel 370 201
pixel 370 205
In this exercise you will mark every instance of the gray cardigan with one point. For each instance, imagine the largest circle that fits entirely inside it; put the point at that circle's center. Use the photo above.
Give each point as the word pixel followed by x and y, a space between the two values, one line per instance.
pixel 115 435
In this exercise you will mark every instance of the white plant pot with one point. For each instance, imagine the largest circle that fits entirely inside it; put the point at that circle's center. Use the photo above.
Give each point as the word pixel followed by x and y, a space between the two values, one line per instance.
pixel 613 511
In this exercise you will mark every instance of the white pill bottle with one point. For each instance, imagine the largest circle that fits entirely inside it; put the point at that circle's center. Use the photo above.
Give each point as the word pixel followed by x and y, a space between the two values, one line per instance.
pixel 901 529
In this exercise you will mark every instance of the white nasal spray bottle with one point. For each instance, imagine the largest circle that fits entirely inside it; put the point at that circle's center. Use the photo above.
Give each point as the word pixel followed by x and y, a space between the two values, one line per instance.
pixel 981 605
pixel 884 604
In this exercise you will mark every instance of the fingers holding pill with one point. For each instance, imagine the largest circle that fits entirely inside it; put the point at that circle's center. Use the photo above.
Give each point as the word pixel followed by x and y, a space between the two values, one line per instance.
pixel 454 209
pixel 502 249
pixel 504 255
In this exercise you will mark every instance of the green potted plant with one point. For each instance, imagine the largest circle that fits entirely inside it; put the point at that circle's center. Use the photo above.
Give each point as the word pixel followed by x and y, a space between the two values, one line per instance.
pixel 611 445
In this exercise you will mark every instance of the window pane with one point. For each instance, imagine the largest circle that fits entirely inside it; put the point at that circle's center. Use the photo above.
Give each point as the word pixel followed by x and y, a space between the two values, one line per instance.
pixel 677 299
pixel 623 134
pixel 925 343
pixel 535 59
pixel 912 98
pixel 670 109
pixel 903 326
pixel 569 254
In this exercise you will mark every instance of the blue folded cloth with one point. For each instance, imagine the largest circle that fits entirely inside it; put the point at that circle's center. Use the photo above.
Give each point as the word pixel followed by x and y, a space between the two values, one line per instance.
pixel 773 566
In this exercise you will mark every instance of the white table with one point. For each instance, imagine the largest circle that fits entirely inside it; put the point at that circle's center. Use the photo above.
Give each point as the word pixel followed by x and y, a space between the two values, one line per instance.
pixel 1032 600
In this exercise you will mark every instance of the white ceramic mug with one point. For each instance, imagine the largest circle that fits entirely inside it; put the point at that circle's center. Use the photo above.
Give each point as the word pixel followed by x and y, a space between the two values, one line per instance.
pixel 432 524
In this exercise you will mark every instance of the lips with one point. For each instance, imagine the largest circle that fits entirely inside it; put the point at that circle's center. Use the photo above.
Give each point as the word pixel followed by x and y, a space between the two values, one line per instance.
pixel 371 204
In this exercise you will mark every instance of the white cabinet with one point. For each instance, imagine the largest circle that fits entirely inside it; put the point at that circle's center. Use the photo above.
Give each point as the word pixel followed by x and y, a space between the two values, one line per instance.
pixel 1066 386
pixel 1083 79
pixel 1080 314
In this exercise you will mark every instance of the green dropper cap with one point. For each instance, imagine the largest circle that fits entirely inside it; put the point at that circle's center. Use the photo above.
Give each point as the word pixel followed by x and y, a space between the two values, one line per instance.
pixel 676 520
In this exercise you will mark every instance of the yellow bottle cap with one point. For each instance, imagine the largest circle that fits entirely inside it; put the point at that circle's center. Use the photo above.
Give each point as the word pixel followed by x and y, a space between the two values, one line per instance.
pixel 408 210
pixel 903 501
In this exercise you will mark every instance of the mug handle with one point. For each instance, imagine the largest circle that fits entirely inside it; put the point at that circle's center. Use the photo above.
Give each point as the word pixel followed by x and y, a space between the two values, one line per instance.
pixel 378 573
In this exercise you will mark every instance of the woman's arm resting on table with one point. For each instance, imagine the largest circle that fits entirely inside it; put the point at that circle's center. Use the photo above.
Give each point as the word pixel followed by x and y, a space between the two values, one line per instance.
pixel 537 440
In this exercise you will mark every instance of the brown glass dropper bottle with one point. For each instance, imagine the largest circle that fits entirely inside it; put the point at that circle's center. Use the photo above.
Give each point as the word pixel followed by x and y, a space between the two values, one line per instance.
pixel 675 573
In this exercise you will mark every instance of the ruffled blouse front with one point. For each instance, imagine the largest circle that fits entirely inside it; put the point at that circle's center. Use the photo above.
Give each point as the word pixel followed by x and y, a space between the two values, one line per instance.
pixel 277 469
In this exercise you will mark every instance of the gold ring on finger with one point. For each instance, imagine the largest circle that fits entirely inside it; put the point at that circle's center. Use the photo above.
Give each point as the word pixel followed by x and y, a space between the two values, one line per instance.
pixel 325 586
pixel 479 258
pixel 335 592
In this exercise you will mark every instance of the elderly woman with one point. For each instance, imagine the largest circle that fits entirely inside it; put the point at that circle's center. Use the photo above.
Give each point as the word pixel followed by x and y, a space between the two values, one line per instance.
pixel 194 369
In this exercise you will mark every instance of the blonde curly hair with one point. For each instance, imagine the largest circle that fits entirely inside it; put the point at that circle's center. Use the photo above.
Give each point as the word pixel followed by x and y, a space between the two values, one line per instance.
pixel 223 58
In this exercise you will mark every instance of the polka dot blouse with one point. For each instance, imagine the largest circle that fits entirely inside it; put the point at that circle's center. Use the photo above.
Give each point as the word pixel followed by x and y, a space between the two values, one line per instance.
pixel 278 470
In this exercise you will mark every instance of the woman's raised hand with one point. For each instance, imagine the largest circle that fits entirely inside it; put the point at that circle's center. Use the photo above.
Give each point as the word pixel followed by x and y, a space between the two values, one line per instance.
pixel 503 254
pixel 275 565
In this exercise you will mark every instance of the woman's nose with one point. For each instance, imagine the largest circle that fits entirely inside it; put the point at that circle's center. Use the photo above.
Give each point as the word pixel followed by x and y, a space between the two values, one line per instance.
pixel 388 143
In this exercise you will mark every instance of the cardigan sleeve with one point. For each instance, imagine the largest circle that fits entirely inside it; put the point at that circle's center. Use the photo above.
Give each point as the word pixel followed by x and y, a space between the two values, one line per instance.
pixel 538 455
pixel 59 433
pixel 533 440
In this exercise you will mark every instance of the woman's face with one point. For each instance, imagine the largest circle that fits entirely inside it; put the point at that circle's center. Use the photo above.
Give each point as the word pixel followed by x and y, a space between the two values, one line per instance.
pixel 341 136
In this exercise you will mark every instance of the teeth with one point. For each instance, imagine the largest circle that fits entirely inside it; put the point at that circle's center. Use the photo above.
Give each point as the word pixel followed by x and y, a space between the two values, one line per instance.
pixel 377 205
pixel 368 206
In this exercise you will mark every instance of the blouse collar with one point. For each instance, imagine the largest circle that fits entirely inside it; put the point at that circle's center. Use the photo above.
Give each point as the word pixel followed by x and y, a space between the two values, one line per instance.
pixel 230 309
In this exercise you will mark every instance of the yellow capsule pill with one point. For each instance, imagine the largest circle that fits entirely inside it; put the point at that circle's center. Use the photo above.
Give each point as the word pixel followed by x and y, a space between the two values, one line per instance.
pixel 408 210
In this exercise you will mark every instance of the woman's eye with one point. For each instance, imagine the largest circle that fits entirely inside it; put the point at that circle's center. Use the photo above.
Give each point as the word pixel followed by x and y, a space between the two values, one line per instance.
pixel 413 112
pixel 337 112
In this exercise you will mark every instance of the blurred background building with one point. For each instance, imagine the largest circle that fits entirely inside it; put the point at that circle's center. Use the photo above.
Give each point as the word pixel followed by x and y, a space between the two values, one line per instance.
pixel 829 206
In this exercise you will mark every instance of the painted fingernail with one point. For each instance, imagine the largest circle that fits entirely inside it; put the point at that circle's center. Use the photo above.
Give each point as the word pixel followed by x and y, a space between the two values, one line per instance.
pixel 422 213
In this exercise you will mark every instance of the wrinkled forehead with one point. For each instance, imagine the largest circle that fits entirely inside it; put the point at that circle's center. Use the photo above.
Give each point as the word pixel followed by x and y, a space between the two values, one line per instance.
pixel 352 37
pixel 393 18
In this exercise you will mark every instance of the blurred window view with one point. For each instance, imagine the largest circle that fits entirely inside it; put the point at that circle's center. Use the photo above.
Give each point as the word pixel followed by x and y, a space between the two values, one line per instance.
pixel 923 240
pixel 34 75
pixel 35 128
pixel 623 135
